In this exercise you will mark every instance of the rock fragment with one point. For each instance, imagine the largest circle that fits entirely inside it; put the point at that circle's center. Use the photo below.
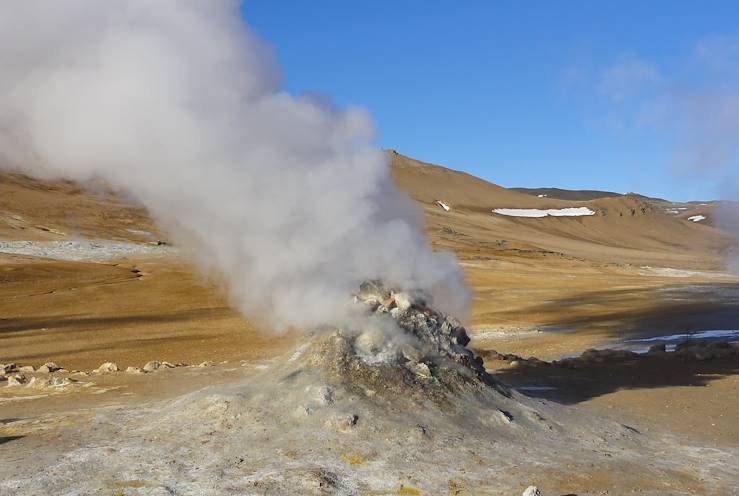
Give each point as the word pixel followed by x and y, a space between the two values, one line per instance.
pixel 152 366
pixel 16 380
pixel 320 395
pixel 37 382
pixel 106 368
pixel 420 369
pixel 411 354
pixel 8 367
pixel 504 416
pixel 532 491
pixel 402 301
pixel 207 363
pixel 48 367
pixel 135 370
pixel 372 291
pixel 342 423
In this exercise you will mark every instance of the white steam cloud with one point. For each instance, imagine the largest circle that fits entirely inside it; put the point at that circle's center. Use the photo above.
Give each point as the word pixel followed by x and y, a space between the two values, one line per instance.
pixel 700 113
pixel 176 103
pixel 727 218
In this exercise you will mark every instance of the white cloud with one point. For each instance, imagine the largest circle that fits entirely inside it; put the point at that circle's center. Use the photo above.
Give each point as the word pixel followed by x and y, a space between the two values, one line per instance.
pixel 628 76
pixel 720 52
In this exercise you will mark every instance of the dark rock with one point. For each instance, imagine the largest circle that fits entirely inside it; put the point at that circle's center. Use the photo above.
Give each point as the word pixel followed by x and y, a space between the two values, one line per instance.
pixel 657 348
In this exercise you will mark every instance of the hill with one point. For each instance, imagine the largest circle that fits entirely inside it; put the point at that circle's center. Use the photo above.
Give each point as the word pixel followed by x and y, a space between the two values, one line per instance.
pixel 623 229
pixel 567 194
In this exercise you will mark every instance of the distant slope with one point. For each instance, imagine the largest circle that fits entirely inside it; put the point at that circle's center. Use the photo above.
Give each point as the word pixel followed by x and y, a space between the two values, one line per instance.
pixel 428 183
pixel 625 229
pixel 567 194
pixel 581 194
pixel 34 209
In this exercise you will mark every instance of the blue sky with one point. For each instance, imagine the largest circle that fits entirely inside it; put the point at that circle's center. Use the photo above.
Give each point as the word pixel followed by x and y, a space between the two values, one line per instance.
pixel 623 96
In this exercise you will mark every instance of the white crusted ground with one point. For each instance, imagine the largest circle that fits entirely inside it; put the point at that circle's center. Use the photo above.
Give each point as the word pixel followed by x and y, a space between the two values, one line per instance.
pixel 81 250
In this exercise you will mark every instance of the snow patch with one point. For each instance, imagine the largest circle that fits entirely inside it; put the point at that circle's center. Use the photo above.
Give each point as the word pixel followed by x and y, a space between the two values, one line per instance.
pixel 697 218
pixel 551 212
pixel 140 232
pixel 727 334
pixel 670 272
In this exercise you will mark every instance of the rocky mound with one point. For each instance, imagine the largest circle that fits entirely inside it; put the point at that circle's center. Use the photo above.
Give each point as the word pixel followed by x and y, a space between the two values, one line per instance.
pixel 404 348
pixel 397 404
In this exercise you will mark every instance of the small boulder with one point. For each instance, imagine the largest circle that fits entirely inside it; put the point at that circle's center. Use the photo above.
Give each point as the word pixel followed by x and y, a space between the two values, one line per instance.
pixel 16 380
pixel 38 383
pixel 301 411
pixel 152 366
pixel 48 367
pixel 532 491
pixel 535 362
pixel 402 302
pixel 342 423
pixel 8 367
pixel 320 395
pixel 168 365
pixel 627 354
pixel 135 370
pixel 590 353
pixel 411 354
pixel 657 348
pixel 420 369
pixel 106 368
pixel 207 363
pixel 504 416
pixel 371 291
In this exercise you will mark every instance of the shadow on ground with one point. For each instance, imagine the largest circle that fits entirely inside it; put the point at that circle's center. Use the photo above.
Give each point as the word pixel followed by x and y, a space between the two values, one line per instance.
pixel 653 311
pixel 581 379
pixel 84 322
pixel 7 439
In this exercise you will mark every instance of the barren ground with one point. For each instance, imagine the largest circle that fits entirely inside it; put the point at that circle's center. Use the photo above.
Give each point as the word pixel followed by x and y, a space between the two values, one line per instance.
pixel 543 287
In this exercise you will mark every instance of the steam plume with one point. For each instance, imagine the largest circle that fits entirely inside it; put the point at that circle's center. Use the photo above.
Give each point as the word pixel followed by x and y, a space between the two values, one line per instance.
pixel 701 113
pixel 176 103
